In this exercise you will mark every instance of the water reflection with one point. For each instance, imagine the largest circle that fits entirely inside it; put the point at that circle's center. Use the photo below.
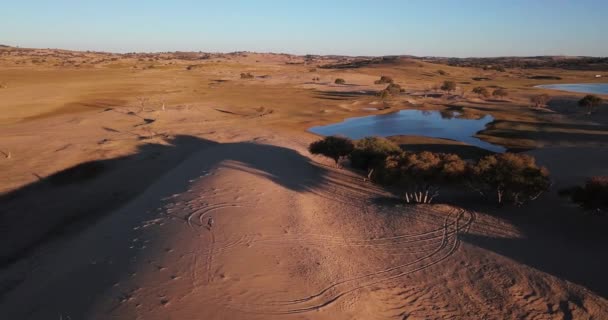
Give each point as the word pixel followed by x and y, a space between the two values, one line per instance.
pixel 447 124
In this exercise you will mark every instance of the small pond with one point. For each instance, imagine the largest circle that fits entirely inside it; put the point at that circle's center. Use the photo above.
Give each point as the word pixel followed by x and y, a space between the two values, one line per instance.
pixel 436 124
pixel 594 88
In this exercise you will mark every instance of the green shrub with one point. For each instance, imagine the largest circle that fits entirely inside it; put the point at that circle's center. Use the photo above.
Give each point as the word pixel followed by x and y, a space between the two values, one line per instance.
pixel 510 177
pixel 371 152
pixel 383 94
pixel 592 196
pixel 422 173
pixel 540 100
pixel 590 102
pixel 384 79
pixel 246 76
pixel 481 92
pixel 448 86
pixel 500 93
pixel 391 89
pixel 332 147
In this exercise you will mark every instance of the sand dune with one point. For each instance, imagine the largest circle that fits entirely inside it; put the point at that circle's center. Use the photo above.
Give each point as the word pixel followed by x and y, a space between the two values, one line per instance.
pixel 202 202
pixel 289 237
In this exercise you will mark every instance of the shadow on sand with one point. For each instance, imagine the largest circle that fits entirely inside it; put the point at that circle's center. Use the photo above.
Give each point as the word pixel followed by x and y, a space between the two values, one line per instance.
pixel 558 239
pixel 343 95
pixel 59 208
pixel 69 200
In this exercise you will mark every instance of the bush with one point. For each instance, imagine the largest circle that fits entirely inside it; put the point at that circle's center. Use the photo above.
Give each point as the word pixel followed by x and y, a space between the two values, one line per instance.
pixel 509 176
pixel 592 196
pixel 442 72
pixel 383 94
pixel 332 147
pixel 391 89
pixel 383 80
pixel 481 92
pixel 448 86
pixel 540 100
pixel 505 177
pixel 422 173
pixel 371 152
pixel 590 102
pixel 340 81
pixel 246 76
pixel 500 93
pixel 394 88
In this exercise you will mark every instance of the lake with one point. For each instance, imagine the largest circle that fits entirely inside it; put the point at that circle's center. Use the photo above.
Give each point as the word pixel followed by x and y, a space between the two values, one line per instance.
pixel 434 124
pixel 595 88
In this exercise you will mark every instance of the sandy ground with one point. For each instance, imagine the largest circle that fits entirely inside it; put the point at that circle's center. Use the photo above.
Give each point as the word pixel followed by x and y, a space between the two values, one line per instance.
pixel 289 237
pixel 215 210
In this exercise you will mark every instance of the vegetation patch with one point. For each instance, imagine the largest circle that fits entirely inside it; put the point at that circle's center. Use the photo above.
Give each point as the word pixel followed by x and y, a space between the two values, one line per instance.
pixel 593 195
pixel 247 75
pixel 507 177
pixel 590 102
pixel 384 80
pixel 391 89
pixel 333 147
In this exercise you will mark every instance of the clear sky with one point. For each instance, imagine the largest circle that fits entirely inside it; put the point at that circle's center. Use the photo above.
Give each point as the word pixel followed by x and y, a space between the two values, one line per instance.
pixel 351 27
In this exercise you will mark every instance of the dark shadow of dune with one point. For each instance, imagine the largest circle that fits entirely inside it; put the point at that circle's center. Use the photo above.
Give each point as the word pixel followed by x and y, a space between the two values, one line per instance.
pixel 70 207
pixel 556 238
pixel 552 133
pixel 72 198
pixel 557 137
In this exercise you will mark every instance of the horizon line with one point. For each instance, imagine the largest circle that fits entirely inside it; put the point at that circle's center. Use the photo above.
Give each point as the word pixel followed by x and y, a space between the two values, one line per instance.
pixel 297 54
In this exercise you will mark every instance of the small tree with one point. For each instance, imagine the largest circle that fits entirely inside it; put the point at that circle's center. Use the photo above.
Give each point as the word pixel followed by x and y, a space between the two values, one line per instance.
pixel 391 89
pixel 540 100
pixel 333 147
pixel 246 76
pixel 384 79
pixel 422 173
pixel 340 81
pixel 590 102
pixel 592 196
pixel 371 152
pixel 510 176
pixel 448 86
pixel 500 93
pixel 481 92
pixel 383 94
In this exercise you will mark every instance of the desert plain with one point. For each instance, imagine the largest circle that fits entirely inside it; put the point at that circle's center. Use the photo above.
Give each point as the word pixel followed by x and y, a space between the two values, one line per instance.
pixel 179 186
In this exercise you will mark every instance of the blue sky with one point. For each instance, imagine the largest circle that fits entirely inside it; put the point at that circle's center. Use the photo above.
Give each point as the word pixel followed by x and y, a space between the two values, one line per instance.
pixel 417 27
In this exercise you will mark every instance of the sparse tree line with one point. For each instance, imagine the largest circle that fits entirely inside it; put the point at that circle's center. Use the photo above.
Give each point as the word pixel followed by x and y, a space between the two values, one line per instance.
pixel 483 92
pixel 590 102
pixel 498 64
pixel 507 177
pixel 247 75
